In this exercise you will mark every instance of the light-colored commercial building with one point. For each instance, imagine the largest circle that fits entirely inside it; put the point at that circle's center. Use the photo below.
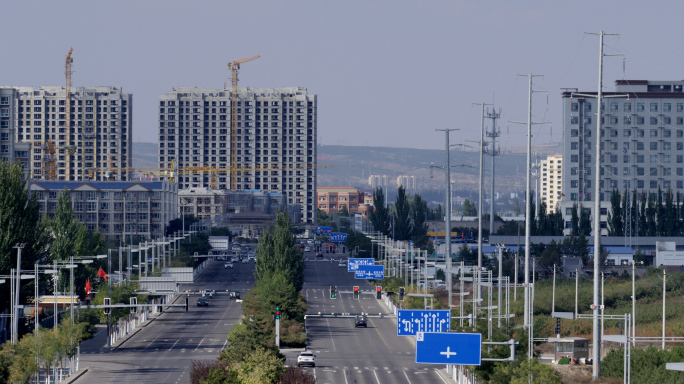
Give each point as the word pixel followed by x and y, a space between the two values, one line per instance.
pixel 333 199
pixel 105 206
pixel 214 204
pixel 275 140
pixel 98 134
pixel 551 182
pixel 642 143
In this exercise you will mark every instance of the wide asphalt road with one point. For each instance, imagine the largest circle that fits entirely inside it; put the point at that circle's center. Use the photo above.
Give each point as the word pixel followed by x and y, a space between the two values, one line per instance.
pixel 163 351
pixel 345 354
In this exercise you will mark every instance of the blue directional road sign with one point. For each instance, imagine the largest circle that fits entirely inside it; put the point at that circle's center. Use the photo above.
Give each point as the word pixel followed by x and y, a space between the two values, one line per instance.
pixel 340 237
pixel 373 272
pixel 353 263
pixel 448 348
pixel 412 321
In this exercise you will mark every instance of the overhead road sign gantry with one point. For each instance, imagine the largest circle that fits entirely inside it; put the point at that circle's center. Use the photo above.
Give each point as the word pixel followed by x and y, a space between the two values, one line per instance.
pixel 449 348
pixel 412 321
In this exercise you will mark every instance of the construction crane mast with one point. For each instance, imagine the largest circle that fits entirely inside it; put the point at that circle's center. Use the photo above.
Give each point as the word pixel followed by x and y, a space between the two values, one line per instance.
pixel 234 67
pixel 67 74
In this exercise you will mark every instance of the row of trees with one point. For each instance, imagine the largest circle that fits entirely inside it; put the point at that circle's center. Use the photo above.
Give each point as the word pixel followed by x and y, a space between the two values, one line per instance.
pixel 46 239
pixel 652 214
pixel 251 355
pixel 404 220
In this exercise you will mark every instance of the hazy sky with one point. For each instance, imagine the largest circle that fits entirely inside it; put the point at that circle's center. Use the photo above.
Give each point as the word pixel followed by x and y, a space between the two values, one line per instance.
pixel 387 73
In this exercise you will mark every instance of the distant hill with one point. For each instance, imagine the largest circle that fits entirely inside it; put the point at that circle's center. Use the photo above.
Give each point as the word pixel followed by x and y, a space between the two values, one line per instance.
pixel 351 166
pixel 145 155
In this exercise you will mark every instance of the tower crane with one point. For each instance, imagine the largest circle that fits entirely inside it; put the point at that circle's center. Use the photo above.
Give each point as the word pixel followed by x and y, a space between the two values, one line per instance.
pixel 234 67
pixel 49 164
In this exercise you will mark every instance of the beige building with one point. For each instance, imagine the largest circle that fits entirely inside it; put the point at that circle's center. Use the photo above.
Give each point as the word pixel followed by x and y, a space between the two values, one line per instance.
pixel 98 133
pixel 551 182
pixel 275 140
pixel 408 182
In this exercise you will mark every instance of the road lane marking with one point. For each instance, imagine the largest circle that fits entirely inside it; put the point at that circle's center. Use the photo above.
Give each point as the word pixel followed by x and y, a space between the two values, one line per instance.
pixel 376 377
pixel 174 344
pixel 344 372
pixel 407 378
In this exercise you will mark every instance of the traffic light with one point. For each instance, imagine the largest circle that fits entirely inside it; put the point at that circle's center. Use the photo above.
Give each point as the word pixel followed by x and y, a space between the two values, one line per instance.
pixel 401 294
pixel 134 304
pixel 277 313
pixel 107 303
pixel 356 292
pixel 558 328
pixel 378 292
pixel 333 292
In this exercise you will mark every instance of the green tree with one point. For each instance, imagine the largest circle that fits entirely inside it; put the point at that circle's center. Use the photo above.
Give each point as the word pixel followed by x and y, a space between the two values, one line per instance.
pixel 278 251
pixel 651 222
pixel 380 215
pixel 419 211
pixel 574 221
pixel 584 222
pixel 20 222
pixel 402 218
pixel 540 373
pixel 643 225
pixel 68 233
pixel 343 210
pixel 615 216
pixel 469 208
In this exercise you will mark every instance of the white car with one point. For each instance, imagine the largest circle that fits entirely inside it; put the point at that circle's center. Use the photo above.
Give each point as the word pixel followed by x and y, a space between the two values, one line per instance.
pixel 306 358
pixel 228 265
pixel 307 249
pixel 343 263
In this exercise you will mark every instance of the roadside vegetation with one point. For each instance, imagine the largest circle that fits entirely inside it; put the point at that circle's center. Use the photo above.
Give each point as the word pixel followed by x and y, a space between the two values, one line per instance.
pixel 251 355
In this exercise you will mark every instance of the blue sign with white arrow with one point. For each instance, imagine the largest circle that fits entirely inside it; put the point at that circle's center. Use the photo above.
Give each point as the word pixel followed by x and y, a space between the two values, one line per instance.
pixel 412 321
pixel 339 237
pixel 373 272
pixel 353 263
pixel 449 348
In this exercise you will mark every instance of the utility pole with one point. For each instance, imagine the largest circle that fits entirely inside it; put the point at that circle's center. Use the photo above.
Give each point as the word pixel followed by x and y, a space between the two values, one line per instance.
pixel 493 134
pixel 447 229
pixel 478 295
pixel 528 198
pixel 664 299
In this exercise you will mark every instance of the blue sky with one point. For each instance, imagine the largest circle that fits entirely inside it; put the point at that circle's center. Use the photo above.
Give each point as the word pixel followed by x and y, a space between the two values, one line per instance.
pixel 388 73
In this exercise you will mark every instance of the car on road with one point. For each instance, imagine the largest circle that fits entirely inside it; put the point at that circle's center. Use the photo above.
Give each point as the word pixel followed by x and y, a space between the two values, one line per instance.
pixel 306 358
pixel 236 248
pixel 228 265
pixel 202 301
pixel 307 249
pixel 319 254
pixel 245 260
pixel 234 294
pixel 302 246
pixel 361 321
pixel 343 263
pixel 209 293
pixel 252 258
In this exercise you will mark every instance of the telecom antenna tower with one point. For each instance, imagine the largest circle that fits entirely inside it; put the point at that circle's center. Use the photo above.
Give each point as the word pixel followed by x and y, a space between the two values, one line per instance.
pixel 493 134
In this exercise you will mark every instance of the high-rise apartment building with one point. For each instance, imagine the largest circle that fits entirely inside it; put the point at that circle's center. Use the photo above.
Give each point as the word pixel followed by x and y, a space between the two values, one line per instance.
pixel 551 182
pixel 97 137
pixel 275 140
pixel 379 181
pixel 406 181
pixel 642 143
pixel 10 150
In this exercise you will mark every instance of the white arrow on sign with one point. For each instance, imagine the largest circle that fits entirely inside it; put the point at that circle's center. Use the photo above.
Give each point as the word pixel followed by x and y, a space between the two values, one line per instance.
pixel 448 353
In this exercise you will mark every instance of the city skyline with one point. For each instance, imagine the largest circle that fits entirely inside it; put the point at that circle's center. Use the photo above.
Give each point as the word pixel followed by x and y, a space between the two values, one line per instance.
pixel 385 70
